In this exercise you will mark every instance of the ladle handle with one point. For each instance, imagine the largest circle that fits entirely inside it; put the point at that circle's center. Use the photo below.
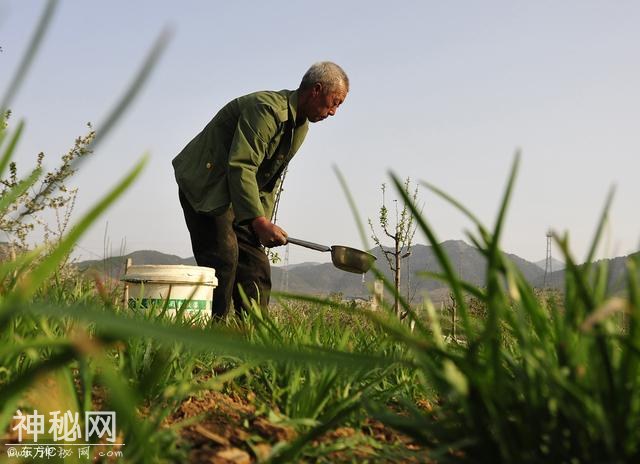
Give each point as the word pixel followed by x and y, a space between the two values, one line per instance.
pixel 304 243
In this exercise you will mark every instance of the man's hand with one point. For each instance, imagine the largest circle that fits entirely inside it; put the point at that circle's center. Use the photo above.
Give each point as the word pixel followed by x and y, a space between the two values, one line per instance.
pixel 269 234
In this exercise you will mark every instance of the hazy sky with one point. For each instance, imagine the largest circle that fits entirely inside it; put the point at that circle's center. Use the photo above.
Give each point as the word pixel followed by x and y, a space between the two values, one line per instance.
pixel 440 91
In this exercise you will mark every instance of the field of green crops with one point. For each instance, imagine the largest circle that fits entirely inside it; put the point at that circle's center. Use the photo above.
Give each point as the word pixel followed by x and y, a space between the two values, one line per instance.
pixel 535 378
pixel 532 378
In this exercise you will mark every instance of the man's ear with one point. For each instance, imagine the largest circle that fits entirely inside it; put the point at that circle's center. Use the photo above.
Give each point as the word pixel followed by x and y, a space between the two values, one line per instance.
pixel 317 89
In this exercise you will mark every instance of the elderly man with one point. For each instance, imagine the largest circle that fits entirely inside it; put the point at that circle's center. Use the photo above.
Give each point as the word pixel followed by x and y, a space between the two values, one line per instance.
pixel 229 174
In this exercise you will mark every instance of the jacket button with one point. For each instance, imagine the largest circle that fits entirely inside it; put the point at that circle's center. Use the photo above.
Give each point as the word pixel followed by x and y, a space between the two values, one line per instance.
pixel 209 165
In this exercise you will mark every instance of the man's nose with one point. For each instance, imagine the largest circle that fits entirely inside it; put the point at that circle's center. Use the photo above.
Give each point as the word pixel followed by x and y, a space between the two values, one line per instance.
pixel 332 111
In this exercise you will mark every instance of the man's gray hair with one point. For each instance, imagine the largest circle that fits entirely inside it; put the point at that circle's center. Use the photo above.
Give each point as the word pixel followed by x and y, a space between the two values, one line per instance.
pixel 329 74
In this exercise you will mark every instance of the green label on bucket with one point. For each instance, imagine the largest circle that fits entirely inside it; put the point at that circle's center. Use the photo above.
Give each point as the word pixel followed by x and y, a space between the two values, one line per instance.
pixel 174 304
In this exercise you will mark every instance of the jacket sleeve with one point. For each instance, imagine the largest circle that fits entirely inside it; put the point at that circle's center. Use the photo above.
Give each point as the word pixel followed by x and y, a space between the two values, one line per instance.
pixel 256 127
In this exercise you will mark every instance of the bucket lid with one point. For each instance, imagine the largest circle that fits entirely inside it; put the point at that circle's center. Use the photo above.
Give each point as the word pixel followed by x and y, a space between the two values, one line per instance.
pixel 177 273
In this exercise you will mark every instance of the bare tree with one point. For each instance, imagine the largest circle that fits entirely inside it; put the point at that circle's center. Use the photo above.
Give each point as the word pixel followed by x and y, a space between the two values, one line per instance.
pixel 401 231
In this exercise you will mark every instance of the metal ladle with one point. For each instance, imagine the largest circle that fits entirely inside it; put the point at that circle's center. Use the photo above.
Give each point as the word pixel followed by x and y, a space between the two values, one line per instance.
pixel 345 258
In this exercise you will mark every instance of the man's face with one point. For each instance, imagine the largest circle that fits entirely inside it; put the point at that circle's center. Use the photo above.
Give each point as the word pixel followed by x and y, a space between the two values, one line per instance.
pixel 323 104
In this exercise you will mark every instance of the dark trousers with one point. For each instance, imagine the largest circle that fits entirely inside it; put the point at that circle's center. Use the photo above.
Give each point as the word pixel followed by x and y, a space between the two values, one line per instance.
pixel 234 252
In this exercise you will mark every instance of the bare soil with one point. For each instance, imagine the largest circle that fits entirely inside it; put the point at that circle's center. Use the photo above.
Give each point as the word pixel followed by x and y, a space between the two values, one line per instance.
pixel 227 429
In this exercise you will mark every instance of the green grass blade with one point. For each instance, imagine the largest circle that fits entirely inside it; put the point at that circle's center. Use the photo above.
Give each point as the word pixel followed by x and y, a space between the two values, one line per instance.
pixel 504 205
pixel 354 208
pixel 124 400
pixel 19 384
pixel 8 152
pixel 49 265
pixel 290 452
pixel 330 420
pixel 404 304
pixel 119 326
pixel 442 257
pixel 7 411
pixel 28 57
pixel 134 88
pixel 572 271
pixel 600 228
pixel 600 282
pixel 629 371
pixel 393 327
pixel 10 272
pixel 365 242
pixel 34 343
pixel 18 190
pixel 495 295
pixel 466 286
pixel 125 101
pixel 463 209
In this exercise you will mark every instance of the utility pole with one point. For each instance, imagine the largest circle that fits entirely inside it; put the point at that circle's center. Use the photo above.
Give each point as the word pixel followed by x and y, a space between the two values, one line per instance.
pixel 548 268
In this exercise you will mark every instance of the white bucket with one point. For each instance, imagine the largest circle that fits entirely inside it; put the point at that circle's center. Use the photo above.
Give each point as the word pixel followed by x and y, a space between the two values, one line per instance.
pixel 154 286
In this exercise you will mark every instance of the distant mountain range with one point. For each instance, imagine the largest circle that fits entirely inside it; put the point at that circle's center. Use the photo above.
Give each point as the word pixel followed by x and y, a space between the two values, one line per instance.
pixel 114 266
pixel 324 279
pixel 467 261
pixel 617 268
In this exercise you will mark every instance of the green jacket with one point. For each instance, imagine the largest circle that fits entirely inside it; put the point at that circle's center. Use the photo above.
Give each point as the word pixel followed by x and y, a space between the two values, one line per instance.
pixel 239 156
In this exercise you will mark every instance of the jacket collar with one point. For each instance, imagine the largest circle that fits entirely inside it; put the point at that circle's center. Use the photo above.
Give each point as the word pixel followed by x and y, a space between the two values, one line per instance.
pixel 293 106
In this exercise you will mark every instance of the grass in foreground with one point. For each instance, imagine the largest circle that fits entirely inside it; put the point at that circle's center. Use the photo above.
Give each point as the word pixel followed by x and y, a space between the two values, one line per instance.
pixel 529 382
